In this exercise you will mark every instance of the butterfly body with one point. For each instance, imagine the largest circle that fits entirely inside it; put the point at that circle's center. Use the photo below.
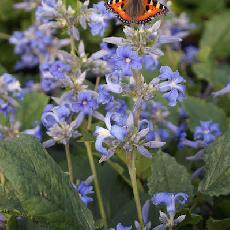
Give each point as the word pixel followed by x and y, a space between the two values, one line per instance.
pixel 136 11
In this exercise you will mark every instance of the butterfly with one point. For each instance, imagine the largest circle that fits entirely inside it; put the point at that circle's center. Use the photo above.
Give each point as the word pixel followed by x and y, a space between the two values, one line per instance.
pixel 136 11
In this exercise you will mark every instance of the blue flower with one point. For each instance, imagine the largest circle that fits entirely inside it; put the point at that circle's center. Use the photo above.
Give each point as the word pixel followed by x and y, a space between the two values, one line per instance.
pixel 87 103
pixel 58 69
pixel 207 132
pixel 119 126
pixel 35 44
pixel 10 91
pixel 99 20
pixel 126 59
pixel 59 125
pixel 85 189
pixel 104 95
pixel 36 132
pixel 170 200
pixel 172 85
pixel 115 133
pixel 121 227
pixel 54 74
pixel 118 106
pixel 53 115
pixel 150 63
pixel 190 54
pixel 46 11
pixel 157 134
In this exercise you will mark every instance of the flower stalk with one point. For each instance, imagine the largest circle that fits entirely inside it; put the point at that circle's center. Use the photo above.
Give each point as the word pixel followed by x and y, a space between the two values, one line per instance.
pixel 69 163
pixel 133 177
pixel 96 183
pixel 93 169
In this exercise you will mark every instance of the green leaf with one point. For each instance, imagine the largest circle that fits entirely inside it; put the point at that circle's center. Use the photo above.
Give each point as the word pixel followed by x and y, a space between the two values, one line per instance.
pixel 31 109
pixel 216 75
pixel 40 185
pixel 217 167
pixel 216 36
pixel 168 176
pixel 218 224
pixel 214 50
pixel 199 110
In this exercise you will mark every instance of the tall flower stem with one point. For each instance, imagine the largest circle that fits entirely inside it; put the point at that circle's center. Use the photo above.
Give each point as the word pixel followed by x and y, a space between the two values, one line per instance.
pixel 93 168
pixel 96 183
pixel 69 163
pixel 133 177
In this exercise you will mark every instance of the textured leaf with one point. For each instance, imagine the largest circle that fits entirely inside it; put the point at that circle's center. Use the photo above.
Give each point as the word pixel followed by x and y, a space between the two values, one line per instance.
pixel 168 176
pixel 217 167
pixel 31 109
pixel 39 184
pixel 218 224
pixel 214 49
pixel 199 110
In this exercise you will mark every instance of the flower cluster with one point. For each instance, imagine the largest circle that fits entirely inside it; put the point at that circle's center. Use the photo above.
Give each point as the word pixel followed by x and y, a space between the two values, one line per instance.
pixel 204 134
pixel 120 133
pixel 35 45
pixel 99 19
pixel 11 94
pixel 59 127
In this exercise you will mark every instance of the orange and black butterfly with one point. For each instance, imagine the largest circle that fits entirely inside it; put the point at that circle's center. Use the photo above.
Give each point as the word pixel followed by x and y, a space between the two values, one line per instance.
pixel 136 11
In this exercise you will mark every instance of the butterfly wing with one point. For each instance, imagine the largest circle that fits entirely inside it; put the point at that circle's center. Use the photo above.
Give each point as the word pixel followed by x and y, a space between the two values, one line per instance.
pixel 152 9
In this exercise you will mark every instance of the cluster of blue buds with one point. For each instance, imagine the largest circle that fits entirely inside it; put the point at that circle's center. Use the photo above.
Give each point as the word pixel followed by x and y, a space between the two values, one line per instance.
pixel 35 45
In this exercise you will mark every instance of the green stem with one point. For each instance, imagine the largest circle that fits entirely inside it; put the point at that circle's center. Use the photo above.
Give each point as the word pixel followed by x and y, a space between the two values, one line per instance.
pixel 133 177
pixel 96 183
pixel 93 169
pixel 69 163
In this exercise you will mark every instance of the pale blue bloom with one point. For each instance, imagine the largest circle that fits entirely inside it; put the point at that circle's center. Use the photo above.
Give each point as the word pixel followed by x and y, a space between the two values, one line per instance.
pixel 99 20
pixel 118 128
pixel 171 85
pixel 121 227
pixel 127 60
pixel 169 200
pixel 207 132
pixel 84 189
